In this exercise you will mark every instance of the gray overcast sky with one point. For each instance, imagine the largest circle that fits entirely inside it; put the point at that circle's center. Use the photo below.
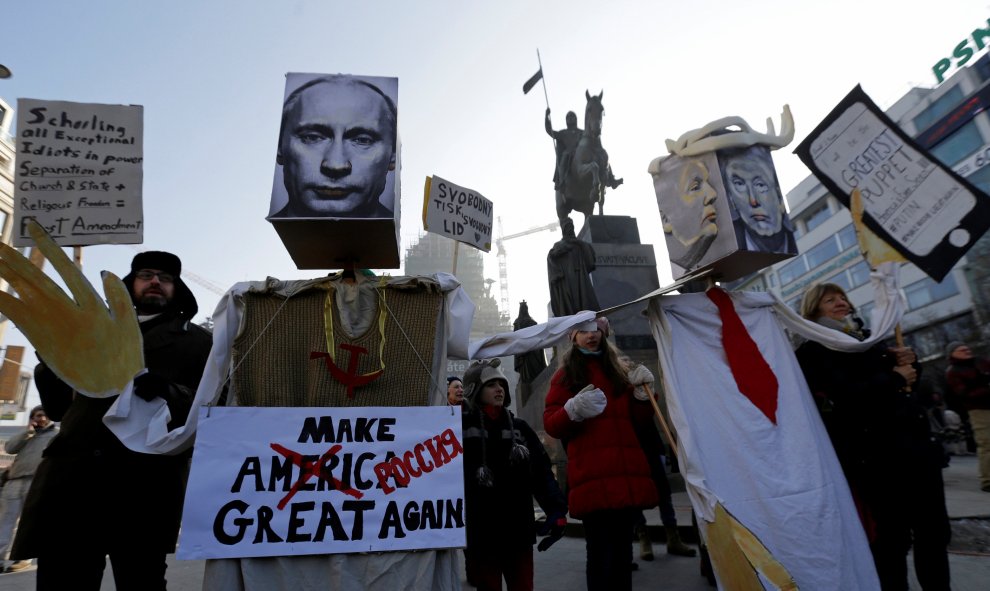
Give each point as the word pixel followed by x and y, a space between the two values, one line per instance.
pixel 210 76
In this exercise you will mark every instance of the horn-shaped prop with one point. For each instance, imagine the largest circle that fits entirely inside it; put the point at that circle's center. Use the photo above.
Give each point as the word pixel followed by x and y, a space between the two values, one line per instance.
pixel 700 141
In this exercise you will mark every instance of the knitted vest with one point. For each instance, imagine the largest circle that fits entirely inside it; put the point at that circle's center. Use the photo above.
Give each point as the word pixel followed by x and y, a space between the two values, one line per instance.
pixel 275 366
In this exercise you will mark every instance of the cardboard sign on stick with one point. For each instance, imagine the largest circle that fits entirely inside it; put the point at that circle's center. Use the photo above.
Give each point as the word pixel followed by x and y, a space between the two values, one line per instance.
pixel 79 172
pixel 458 213
pixel 924 210
pixel 295 481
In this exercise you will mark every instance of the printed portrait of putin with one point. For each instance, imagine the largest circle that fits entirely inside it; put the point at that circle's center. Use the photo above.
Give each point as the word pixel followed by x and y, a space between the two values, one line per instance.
pixel 337 148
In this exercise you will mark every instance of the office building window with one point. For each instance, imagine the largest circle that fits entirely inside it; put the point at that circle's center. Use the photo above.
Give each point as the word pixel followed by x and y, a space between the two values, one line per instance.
pixel 982 67
pixel 817 217
pixel 859 274
pixel 963 142
pixel 841 280
pixel 823 252
pixel 847 238
pixel 938 109
pixel 792 270
pixel 981 178
pixel 924 292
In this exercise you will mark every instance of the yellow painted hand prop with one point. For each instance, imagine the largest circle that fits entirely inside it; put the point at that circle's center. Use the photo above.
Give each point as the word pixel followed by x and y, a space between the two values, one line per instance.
pixel 874 249
pixel 737 556
pixel 95 349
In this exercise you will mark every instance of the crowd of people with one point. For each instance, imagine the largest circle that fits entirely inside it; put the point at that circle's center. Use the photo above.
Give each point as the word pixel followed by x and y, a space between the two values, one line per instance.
pixel 597 406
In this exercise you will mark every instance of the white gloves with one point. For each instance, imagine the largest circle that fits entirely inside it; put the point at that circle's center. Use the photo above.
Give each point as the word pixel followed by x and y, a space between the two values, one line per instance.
pixel 638 377
pixel 589 402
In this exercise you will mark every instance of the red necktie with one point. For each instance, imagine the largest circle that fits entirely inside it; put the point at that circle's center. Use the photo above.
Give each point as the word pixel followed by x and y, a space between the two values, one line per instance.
pixel 751 371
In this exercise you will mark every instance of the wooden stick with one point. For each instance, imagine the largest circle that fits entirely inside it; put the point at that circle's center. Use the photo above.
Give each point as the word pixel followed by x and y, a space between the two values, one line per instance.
pixel 663 421
pixel 899 339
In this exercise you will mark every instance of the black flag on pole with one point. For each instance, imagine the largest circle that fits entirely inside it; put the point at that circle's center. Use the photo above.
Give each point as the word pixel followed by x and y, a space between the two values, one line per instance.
pixel 528 86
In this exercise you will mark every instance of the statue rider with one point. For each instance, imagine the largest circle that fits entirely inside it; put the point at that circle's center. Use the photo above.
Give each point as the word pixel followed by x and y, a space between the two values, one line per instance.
pixel 566 141
pixel 568 197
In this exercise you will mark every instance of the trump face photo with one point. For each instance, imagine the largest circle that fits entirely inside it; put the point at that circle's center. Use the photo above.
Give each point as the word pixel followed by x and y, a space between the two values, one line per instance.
pixel 337 151
pixel 691 211
pixel 758 212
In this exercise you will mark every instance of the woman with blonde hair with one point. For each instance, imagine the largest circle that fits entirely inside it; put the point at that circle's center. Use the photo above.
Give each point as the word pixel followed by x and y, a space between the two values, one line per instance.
pixel 880 433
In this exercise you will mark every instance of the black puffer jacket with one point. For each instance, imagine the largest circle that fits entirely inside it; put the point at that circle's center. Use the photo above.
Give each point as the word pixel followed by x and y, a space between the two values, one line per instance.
pixel 874 425
pixel 500 516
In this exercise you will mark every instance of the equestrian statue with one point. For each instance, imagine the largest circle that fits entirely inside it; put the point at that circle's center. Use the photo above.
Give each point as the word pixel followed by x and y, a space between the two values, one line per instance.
pixel 582 170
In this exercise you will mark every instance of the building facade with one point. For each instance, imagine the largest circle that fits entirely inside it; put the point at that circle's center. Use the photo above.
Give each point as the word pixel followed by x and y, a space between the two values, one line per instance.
pixel 433 253
pixel 7 149
pixel 952 122
pixel 12 398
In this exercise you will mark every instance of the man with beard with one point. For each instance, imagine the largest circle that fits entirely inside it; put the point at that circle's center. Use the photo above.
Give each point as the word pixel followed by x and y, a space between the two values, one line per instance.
pixel 91 496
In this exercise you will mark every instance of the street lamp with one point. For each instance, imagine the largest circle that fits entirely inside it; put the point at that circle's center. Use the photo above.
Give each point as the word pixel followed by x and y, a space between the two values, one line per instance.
pixel 5 72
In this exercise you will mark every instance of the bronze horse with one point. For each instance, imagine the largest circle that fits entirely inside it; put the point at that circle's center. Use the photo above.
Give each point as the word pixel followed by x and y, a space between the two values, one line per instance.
pixel 588 171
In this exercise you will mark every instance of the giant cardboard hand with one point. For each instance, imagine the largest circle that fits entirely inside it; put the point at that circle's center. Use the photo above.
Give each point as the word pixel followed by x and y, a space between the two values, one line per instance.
pixel 95 349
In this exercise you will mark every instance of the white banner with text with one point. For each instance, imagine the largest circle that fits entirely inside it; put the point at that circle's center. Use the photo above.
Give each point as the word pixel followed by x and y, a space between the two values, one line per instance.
pixel 296 481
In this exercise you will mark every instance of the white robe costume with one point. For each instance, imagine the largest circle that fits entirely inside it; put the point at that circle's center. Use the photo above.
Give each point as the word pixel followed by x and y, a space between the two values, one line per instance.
pixel 781 481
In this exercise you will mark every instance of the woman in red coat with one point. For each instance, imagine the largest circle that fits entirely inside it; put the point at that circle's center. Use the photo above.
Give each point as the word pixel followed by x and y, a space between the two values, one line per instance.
pixel 591 407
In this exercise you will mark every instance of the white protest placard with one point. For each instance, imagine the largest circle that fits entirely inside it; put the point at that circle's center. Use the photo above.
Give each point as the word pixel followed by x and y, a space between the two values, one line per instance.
pixel 79 172
pixel 458 213
pixel 297 481
pixel 923 209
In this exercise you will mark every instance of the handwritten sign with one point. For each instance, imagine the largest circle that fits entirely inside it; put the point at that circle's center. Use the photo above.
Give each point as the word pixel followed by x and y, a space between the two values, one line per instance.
pixel 296 481
pixel 458 213
pixel 924 210
pixel 79 172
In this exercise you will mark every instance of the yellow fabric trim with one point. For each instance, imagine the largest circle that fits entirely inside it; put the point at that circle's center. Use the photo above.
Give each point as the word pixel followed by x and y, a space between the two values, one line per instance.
pixel 382 311
pixel 328 322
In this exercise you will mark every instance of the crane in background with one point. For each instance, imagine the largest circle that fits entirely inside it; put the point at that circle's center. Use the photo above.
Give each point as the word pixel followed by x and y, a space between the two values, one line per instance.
pixel 503 276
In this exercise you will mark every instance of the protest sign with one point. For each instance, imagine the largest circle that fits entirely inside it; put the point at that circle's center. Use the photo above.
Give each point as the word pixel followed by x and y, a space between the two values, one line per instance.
pixel 458 213
pixel 79 172
pixel 924 210
pixel 295 481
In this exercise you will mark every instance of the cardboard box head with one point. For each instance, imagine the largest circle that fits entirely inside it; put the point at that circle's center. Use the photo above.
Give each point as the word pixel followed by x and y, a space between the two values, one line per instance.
pixel 335 192
pixel 722 210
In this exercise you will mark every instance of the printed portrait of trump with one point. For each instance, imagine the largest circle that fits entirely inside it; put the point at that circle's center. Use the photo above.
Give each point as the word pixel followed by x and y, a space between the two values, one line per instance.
pixel 337 148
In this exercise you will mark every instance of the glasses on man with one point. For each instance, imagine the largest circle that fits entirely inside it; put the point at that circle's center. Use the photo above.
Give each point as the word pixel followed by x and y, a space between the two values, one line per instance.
pixel 148 275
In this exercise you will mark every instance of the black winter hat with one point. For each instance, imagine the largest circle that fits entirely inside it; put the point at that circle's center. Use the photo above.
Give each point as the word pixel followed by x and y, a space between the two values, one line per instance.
pixel 183 301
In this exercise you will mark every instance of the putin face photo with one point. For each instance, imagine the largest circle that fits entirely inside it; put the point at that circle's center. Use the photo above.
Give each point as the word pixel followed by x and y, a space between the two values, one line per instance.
pixel 337 146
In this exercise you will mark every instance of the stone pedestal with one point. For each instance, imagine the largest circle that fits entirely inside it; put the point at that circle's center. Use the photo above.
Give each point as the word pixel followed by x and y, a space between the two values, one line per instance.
pixel 624 271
